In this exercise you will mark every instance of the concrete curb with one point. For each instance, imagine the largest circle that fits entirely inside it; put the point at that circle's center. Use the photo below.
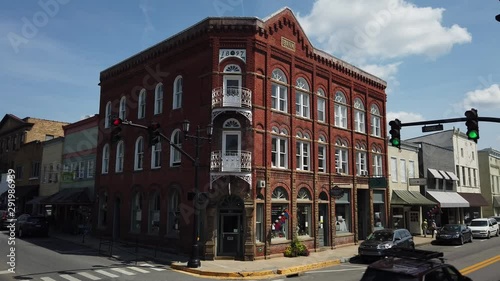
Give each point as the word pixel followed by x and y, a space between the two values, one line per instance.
pixel 253 274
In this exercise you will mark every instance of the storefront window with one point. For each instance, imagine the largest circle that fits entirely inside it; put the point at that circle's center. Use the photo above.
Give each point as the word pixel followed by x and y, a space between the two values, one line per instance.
pixel 379 210
pixel 280 214
pixel 136 213
pixel 154 214
pixel 304 213
pixel 343 212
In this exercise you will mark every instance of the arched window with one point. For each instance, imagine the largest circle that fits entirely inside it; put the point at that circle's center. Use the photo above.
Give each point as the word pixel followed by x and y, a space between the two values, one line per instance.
pixel 321 105
pixel 279 148
pixel 105 159
pixel 340 110
pixel 322 154
pixel 302 106
pixel 280 214
pixel 158 108
pixel 154 214
pixel 173 213
pixel 135 225
pixel 375 120
pixel 175 155
pixel 361 160
pixel 279 96
pixel 303 152
pixel 341 157
pixel 139 154
pixel 107 115
pixel 119 157
pixel 156 156
pixel 177 99
pixel 304 212
pixel 377 162
pixel 141 111
pixel 359 116
pixel 123 108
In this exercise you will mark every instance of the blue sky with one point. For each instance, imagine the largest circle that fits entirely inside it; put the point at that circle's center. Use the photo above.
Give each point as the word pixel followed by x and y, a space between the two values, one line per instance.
pixel 438 57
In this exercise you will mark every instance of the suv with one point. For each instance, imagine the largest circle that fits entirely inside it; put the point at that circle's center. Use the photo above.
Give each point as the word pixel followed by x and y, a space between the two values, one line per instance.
pixel 28 225
pixel 484 228
pixel 380 240
pixel 412 265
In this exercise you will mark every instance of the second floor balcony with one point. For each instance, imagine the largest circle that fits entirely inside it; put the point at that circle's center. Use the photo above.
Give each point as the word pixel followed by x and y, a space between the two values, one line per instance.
pixel 234 97
pixel 231 161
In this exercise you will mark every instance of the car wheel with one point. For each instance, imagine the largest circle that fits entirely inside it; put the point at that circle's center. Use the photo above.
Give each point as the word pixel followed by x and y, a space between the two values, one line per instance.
pixel 497 233
pixel 489 235
pixel 20 233
pixel 461 240
pixel 471 238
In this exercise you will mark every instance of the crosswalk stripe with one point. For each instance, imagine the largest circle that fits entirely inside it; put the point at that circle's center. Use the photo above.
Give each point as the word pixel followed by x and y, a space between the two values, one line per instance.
pixel 138 269
pixel 89 276
pixel 106 273
pixel 123 271
pixel 152 267
pixel 69 277
pixel 47 279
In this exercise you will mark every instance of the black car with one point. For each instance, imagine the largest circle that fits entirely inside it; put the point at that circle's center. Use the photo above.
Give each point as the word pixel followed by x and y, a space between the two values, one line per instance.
pixel 454 233
pixel 412 265
pixel 381 240
pixel 32 225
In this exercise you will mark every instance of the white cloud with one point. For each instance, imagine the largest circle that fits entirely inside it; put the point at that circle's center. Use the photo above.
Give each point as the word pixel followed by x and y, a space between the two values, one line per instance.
pixel 387 72
pixel 404 117
pixel 488 98
pixel 360 31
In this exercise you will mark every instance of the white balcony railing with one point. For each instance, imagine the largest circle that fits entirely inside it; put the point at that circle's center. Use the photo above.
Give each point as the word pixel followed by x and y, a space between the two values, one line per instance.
pixel 231 161
pixel 231 97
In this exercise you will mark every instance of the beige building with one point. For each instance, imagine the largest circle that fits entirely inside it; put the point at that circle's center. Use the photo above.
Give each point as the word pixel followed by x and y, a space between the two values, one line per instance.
pixel 404 184
pixel 489 174
pixel 51 166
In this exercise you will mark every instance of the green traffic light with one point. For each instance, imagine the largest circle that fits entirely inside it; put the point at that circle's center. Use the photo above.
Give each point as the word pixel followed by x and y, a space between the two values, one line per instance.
pixel 473 135
pixel 395 142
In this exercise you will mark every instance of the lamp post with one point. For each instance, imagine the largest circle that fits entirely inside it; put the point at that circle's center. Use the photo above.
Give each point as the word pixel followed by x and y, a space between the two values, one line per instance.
pixel 194 259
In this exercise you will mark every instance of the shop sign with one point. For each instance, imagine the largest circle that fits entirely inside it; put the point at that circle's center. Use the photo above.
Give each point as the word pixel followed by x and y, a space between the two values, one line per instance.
pixel 336 192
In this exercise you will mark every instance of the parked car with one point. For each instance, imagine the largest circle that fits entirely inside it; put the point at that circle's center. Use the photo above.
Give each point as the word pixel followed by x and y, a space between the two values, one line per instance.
pixel 454 233
pixel 496 218
pixel 484 228
pixel 379 241
pixel 412 265
pixel 32 225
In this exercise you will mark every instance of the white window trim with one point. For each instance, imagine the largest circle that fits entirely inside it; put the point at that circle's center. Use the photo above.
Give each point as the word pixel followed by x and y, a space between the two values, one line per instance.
pixel 303 153
pixel 120 153
pixel 141 111
pixel 123 108
pixel 303 103
pixel 138 154
pixel 176 139
pixel 158 106
pixel 156 153
pixel 177 96
pixel 107 115
pixel 105 159
pixel 278 152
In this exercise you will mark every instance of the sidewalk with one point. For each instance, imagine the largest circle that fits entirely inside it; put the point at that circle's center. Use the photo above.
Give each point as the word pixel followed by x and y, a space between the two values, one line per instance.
pixel 278 266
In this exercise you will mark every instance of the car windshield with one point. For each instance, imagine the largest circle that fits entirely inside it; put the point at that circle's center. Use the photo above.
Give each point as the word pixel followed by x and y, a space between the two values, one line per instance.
pixel 479 223
pixel 379 275
pixel 380 236
pixel 451 228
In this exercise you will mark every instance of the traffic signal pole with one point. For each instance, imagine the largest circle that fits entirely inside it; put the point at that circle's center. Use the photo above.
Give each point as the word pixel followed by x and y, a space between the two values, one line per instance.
pixel 451 120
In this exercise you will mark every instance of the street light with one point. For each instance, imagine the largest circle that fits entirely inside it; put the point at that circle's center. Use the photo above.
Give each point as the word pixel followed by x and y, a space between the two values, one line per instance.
pixel 194 259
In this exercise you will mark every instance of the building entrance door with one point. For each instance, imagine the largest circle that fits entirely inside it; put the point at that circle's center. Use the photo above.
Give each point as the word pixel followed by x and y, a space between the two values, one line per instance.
pixel 230 227
pixel 324 223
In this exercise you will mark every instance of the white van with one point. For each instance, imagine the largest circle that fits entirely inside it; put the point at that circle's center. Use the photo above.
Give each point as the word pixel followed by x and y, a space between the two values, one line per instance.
pixel 484 228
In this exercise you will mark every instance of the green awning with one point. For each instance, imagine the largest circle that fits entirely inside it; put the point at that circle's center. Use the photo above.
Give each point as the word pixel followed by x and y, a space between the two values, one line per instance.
pixel 406 197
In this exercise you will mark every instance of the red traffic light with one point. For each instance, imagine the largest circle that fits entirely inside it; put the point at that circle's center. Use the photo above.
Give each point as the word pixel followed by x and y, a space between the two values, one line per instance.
pixel 117 122
pixel 155 126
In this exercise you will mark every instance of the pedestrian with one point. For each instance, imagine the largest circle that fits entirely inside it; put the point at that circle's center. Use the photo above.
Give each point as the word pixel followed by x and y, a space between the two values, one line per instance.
pixel 424 227
pixel 433 227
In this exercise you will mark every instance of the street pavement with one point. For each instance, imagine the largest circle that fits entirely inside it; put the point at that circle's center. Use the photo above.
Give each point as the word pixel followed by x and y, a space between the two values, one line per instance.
pixel 138 259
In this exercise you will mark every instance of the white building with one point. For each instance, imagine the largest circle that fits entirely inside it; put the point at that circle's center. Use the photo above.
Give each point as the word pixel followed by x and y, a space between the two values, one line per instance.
pixel 489 167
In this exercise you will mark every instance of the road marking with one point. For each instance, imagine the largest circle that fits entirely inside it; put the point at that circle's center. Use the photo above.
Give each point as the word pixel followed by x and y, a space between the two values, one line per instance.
pixel 480 265
pixel 336 270
pixel 106 273
pixel 138 269
pixel 5 272
pixel 123 271
pixel 69 277
pixel 47 279
pixel 152 267
pixel 89 276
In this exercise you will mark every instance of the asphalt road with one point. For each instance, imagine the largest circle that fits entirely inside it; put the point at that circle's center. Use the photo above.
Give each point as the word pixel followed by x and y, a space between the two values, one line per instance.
pixel 51 259
pixel 462 257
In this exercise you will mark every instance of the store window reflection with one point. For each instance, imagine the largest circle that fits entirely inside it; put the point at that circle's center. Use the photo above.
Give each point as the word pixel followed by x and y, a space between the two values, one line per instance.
pixel 343 212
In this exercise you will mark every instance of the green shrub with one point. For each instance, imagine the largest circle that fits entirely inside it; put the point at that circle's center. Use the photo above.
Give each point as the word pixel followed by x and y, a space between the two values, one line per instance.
pixel 296 248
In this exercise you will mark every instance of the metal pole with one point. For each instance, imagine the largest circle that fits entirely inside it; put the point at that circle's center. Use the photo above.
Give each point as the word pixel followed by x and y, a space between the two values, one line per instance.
pixel 194 259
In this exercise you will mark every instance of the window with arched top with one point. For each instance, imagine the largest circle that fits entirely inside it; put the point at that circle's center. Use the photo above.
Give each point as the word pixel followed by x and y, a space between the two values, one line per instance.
pixel 279 148
pixel 375 119
pixel 361 160
pixel 139 154
pixel 321 104
pixel 119 157
pixel 359 116
pixel 232 68
pixel 136 209
pixel 302 106
pixel 158 108
pixel 340 110
pixel 377 162
pixel 231 124
pixel 279 92
pixel 304 212
pixel 175 155
pixel 107 115
pixel 303 152
pixel 123 108
pixel 177 98
pixel 322 154
pixel 341 157
pixel 141 110
pixel 105 159
pixel 280 214
pixel 156 156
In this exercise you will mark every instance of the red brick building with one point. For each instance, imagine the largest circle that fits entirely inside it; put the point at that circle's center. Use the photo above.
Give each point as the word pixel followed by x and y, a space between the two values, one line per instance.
pixel 297 135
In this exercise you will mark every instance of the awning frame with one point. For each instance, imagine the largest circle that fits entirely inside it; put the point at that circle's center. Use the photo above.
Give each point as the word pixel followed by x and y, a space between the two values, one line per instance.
pixel 435 174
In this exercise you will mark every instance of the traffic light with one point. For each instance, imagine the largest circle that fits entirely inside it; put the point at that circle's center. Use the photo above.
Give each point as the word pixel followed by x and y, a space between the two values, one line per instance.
pixel 472 124
pixel 154 134
pixel 117 130
pixel 395 133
